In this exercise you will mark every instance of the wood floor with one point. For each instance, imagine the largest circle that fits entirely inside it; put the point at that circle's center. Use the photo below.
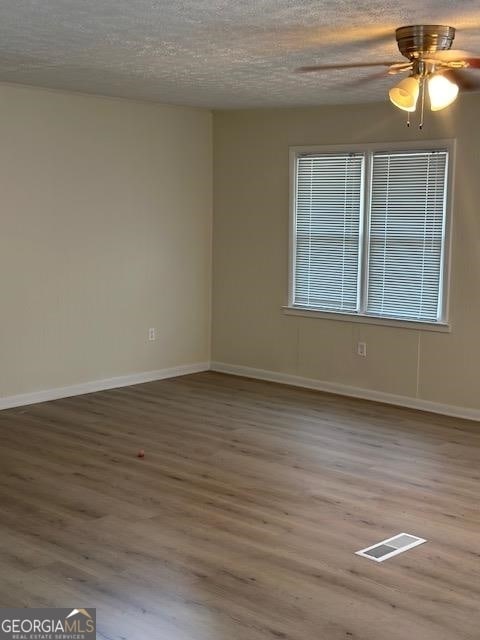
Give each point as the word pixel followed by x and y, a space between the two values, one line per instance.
pixel 242 520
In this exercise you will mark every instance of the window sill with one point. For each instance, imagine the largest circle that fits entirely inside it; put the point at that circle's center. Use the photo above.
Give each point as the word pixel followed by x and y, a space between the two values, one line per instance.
pixel 351 317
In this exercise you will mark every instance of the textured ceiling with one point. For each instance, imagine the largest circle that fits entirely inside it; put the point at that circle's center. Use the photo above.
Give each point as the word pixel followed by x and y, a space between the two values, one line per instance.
pixel 214 53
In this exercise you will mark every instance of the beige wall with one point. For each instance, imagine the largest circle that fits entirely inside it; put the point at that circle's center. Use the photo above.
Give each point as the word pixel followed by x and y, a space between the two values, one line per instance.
pixel 251 195
pixel 105 232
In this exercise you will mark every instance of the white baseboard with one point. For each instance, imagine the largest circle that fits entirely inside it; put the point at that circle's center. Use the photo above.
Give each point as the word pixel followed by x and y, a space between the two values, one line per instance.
pixel 22 399
pixel 346 390
pixel 34 397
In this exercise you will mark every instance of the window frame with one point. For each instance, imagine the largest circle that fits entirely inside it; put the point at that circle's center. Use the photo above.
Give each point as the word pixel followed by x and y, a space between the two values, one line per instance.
pixel 443 324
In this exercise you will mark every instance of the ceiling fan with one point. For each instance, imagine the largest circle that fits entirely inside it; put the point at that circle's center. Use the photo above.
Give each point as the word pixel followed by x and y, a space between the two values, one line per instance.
pixel 431 63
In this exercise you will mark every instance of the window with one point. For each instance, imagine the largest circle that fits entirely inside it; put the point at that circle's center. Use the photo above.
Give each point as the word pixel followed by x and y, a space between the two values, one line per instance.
pixel 370 232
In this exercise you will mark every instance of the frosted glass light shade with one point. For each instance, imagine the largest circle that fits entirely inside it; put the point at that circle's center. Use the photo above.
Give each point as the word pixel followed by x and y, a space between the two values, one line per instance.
pixel 405 94
pixel 442 92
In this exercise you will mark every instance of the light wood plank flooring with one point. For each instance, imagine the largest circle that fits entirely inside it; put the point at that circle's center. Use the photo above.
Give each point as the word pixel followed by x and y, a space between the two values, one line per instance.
pixel 242 520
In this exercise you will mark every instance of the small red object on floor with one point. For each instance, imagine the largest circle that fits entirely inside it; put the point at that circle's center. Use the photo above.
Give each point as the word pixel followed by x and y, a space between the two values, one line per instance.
pixel 141 454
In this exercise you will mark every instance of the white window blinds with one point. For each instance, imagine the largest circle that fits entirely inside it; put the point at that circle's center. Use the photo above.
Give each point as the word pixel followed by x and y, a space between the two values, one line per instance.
pixel 370 232
pixel 327 231
pixel 406 235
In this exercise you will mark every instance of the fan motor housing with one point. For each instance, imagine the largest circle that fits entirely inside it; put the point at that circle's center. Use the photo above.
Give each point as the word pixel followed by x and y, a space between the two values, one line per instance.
pixel 417 40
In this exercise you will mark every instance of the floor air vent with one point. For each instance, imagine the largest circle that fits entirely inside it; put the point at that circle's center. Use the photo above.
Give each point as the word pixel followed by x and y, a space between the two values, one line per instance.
pixel 386 549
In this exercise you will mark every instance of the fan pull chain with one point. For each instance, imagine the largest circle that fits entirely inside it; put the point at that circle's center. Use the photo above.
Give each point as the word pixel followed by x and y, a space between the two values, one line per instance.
pixel 420 126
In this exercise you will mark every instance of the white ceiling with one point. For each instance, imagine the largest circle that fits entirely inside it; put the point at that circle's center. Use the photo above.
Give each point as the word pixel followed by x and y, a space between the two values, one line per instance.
pixel 214 53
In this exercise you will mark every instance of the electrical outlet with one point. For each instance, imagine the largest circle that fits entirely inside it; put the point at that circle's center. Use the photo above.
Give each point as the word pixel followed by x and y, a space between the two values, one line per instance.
pixel 151 334
pixel 362 349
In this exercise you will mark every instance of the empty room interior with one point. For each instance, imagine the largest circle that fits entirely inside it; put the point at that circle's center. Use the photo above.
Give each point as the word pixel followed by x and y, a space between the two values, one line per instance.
pixel 239 349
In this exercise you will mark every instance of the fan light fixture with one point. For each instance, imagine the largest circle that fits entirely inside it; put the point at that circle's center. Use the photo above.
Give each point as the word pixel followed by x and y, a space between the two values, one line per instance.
pixel 442 92
pixel 405 94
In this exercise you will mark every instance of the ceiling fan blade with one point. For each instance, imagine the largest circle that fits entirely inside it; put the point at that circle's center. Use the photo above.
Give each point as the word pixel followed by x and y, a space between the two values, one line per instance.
pixel 456 55
pixel 352 65
pixel 473 63
pixel 398 67
pixel 465 81
pixel 366 79
pixel 449 54
pixel 468 23
pixel 297 38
